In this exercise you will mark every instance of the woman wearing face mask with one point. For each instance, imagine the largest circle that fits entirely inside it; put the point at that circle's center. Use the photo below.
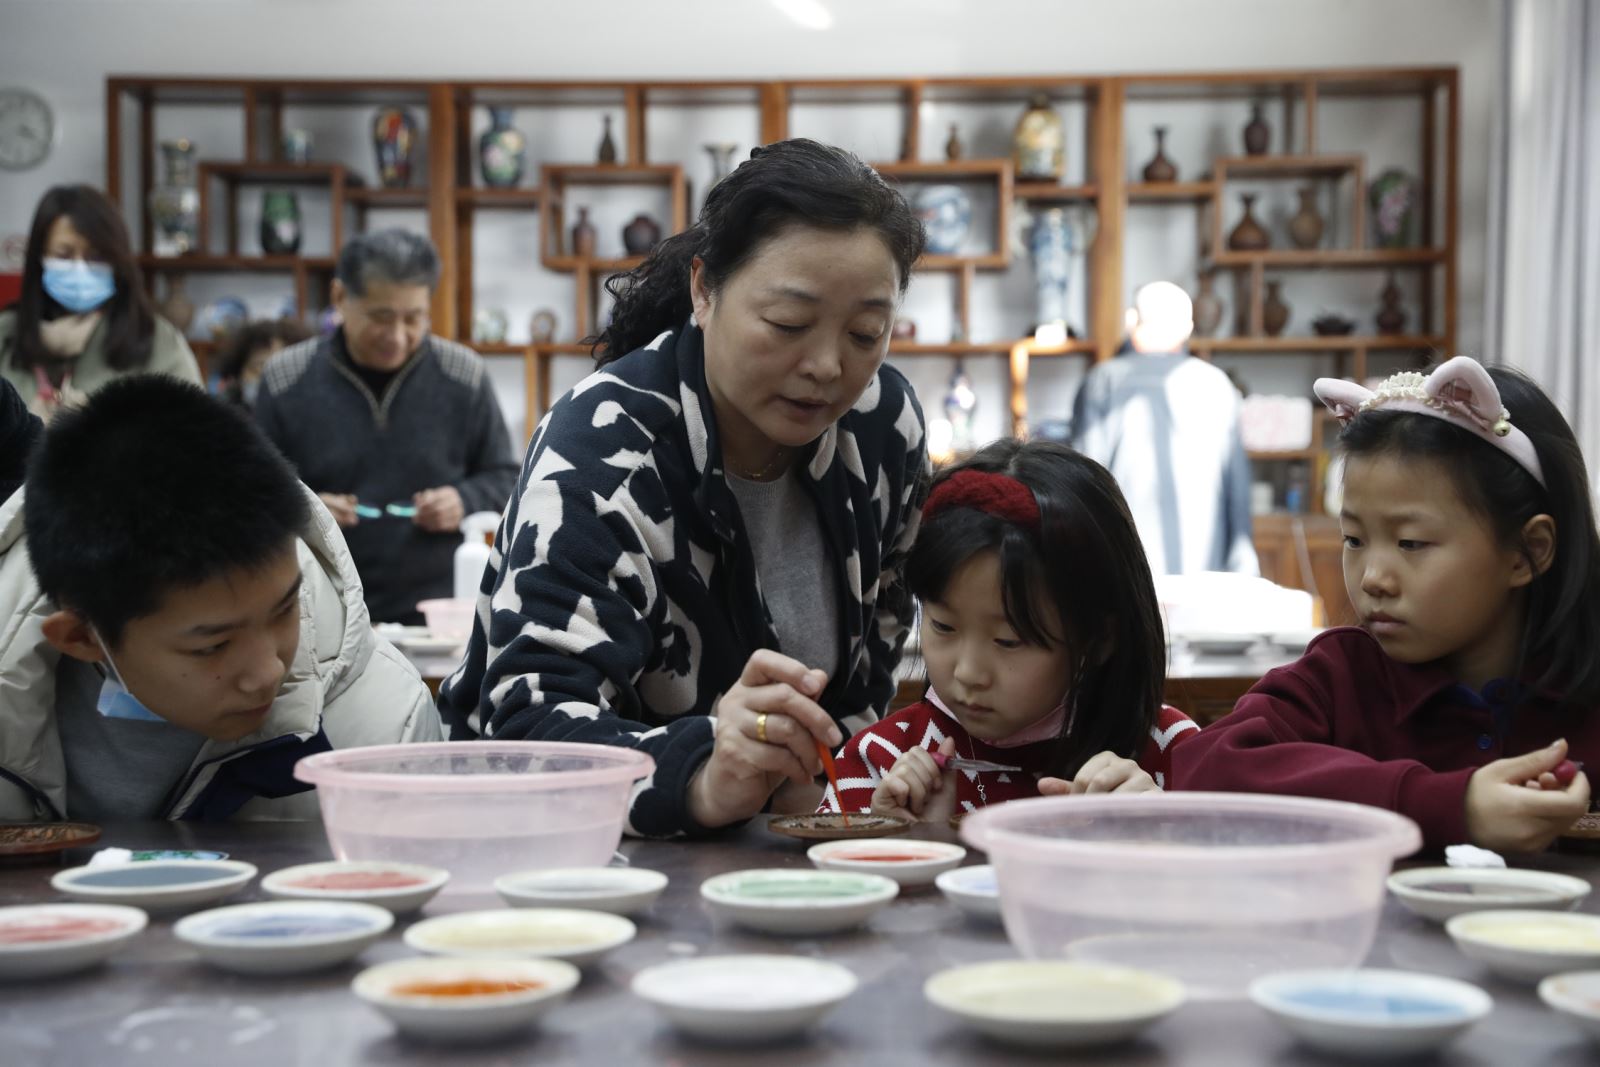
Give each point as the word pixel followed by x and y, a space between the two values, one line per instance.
pixel 84 317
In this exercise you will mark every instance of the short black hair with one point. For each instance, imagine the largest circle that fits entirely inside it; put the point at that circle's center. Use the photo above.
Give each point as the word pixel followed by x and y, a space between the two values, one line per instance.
pixel 153 486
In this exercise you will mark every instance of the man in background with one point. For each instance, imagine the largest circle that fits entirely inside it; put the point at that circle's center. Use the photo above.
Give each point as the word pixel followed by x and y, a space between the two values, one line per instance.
pixel 1167 427
pixel 398 431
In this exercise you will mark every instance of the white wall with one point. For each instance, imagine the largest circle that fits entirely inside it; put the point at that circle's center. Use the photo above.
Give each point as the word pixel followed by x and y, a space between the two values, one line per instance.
pixel 64 49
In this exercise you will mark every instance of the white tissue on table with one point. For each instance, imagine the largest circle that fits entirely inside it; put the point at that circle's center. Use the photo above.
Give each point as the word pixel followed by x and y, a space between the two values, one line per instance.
pixel 110 857
pixel 1472 856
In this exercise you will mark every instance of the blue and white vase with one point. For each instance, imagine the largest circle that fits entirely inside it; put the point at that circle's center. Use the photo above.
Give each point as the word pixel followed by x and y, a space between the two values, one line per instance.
pixel 946 214
pixel 1051 245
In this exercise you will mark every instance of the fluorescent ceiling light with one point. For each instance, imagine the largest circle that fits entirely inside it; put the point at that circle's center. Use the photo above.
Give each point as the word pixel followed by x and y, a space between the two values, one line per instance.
pixel 807 13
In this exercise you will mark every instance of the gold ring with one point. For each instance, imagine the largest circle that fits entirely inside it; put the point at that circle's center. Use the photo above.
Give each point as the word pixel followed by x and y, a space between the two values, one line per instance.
pixel 761 727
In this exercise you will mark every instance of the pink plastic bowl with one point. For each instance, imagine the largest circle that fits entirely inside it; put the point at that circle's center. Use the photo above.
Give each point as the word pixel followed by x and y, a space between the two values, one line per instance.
pixel 1214 889
pixel 479 809
pixel 448 619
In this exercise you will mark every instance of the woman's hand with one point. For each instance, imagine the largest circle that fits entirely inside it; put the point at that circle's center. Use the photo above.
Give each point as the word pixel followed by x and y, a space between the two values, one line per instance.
pixel 767 730
pixel 915 788
pixel 1104 772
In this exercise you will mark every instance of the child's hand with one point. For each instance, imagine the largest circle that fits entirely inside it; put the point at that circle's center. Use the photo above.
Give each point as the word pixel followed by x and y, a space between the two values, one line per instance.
pixel 1104 772
pixel 915 788
pixel 1504 814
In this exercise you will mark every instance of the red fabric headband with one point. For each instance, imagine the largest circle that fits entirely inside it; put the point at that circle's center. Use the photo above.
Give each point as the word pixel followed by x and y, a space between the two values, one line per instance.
pixel 999 495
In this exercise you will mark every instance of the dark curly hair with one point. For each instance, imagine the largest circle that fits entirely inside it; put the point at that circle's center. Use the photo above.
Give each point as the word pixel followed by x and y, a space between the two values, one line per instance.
pixel 791 183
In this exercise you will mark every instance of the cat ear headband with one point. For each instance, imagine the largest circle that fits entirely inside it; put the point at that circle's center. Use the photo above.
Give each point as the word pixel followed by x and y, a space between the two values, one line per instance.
pixel 1458 391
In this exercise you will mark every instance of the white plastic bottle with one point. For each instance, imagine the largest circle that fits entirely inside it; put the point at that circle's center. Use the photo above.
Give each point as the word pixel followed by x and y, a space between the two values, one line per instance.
pixel 477 533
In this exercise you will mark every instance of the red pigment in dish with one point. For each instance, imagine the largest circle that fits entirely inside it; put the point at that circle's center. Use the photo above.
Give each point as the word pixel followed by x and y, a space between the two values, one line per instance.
pixel 355 880
pixel 40 931
pixel 467 987
pixel 886 857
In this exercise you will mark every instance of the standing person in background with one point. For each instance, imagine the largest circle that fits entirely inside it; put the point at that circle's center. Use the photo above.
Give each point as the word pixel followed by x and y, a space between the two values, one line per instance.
pixel 1167 427
pixel 84 317
pixel 398 431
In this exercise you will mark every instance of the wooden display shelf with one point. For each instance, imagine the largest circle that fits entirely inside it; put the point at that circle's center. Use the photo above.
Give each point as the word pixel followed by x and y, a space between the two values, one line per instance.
pixel 206 264
pixel 1309 454
pixel 554 181
pixel 259 173
pixel 1339 343
pixel 995 171
pixel 982 261
pixel 1296 259
pixel 499 348
pixel 383 197
pixel 1196 192
pixel 1051 192
pixel 602 266
pixel 948 171
pixel 610 174
pixel 951 348
pixel 1301 166
pixel 499 198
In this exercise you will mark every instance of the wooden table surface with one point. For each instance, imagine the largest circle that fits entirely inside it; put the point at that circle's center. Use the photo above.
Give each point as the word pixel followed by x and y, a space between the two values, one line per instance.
pixel 156 1004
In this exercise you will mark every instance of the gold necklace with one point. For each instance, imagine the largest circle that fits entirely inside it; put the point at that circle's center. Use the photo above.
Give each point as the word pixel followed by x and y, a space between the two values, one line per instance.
pixel 760 475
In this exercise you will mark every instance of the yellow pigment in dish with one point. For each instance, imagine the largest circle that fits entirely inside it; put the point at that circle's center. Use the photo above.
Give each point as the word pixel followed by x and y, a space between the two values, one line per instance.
pixel 1542 936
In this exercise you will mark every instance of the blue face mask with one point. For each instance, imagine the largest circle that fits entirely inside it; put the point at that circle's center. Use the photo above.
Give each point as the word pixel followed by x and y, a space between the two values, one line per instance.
pixel 116 702
pixel 77 285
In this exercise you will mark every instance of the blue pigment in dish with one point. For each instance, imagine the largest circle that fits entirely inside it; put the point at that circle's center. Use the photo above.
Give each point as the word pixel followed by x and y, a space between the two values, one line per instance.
pixel 1382 1005
pixel 142 876
pixel 289 927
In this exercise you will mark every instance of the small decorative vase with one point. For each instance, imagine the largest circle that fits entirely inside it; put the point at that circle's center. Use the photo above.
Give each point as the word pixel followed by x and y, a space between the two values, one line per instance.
pixel 608 147
pixel 583 236
pixel 1305 229
pixel 721 155
pixel 1391 317
pixel 394 139
pixel 177 308
pixel 1256 133
pixel 1039 146
pixel 1249 235
pixel 1050 244
pixel 641 235
pixel 489 326
pixel 946 214
pixel 175 203
pixel 297 146
pixel 502 151
pixel 953 148
pixel 1393 195
pixel 1161 169
pixel 542 327
pixel 1207 306
pixel 960 404
pixel 1274 313
pixel 280 223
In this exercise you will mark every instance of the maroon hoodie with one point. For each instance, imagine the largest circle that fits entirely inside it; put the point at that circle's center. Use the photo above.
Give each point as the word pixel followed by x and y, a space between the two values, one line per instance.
pixel 1346 722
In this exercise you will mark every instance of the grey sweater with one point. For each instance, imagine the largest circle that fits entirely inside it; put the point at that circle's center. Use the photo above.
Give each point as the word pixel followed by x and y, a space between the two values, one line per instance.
pixel 437 424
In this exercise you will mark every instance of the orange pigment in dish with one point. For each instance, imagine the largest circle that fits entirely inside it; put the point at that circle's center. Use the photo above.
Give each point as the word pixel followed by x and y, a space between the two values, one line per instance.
pixel 468 987
pixel 886 857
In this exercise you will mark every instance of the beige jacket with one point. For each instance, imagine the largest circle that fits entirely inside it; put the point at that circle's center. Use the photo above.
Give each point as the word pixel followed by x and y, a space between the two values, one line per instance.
pixel 345 682
pixel 169 354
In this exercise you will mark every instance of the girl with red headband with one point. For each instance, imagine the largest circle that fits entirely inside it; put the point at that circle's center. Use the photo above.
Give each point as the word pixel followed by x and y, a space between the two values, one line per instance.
pixel 1043 645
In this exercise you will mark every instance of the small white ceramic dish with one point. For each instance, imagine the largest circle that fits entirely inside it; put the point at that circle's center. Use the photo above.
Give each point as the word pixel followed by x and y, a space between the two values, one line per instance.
pixel 401 991
pixel 1441 893
pixel 744 998
pixel 1054 1003
pixel 44 940
pixel 283 936
pixel 1220 644
pixel 1370 1012
pixel 1294 641
pixel 1526 946
pixel 156 885
pixel 909 863
pixel 785 901
pixel 972 889
pixel 617 890
pixel 400 887
pixel 428 645
pixel 579 937
pixel 1577 996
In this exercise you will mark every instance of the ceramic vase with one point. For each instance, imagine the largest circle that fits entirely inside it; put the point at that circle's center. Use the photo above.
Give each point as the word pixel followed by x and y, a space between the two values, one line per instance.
pixel 175 203
pixel 953 148
pixel 502 151
pixel 583 236
pixel 1257 134
pixel 641 235
pixel 280 229
pixel 960 405
pixel 1274 312
pixel 1305 229
pixel 721 155
pixel 394 142
pixel 1207 306
pixel 946 214
pixel 608 147
pixel 1051 246
pixel 1161 169
pixel 1391 317
pixel 1039 145
pixel 1393 198
pixel 1249 235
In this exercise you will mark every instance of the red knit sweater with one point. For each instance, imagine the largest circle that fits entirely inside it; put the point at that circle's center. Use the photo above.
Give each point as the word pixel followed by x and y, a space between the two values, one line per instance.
pixel 864 760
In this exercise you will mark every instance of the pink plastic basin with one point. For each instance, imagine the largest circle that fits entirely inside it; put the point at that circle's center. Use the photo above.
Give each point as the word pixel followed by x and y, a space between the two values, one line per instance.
pixel 1214 889
pixel 479 809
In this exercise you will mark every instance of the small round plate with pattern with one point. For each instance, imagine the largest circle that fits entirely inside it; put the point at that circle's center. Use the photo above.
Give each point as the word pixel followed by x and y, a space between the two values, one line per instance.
pixel 44 838
pixel 822 826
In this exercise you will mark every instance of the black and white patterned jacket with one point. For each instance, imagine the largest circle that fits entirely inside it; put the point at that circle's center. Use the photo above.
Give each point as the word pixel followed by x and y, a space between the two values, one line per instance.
pixel 621 597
